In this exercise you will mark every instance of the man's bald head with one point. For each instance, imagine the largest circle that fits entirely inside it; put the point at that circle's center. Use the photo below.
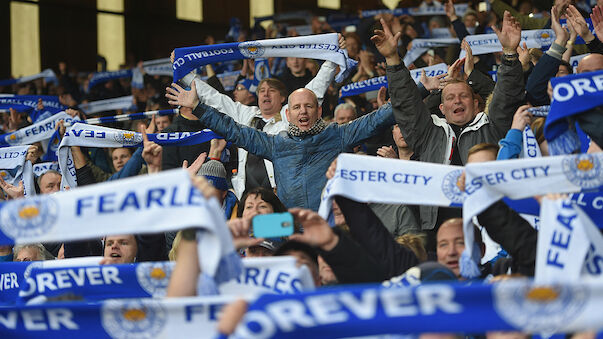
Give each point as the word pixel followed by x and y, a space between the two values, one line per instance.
pixel 591 63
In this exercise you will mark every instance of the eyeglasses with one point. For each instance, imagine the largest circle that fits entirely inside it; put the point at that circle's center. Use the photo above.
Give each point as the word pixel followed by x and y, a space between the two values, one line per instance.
pixel 240 88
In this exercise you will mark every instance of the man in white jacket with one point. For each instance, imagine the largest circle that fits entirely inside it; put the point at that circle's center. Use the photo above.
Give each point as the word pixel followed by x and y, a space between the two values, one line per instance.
pixel 269 116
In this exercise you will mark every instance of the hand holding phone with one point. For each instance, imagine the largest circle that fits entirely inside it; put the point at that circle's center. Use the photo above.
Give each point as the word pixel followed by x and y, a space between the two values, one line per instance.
pixel 273 225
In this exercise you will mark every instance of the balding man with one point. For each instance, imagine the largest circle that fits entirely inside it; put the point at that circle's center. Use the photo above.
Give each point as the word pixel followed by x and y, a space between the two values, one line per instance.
pixel 590 63
pixel 302 154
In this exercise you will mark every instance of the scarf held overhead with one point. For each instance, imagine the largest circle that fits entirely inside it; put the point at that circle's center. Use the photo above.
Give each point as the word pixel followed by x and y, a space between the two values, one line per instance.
pixel 322 46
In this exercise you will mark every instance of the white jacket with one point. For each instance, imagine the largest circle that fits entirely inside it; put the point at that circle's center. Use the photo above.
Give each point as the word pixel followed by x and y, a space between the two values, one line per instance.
pixel 244 115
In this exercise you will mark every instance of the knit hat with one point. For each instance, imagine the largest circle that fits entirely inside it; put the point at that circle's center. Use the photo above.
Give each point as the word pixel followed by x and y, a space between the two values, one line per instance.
pixel 215 173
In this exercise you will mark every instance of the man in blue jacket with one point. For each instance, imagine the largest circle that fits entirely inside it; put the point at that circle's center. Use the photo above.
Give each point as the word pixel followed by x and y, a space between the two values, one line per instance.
pixel 302 154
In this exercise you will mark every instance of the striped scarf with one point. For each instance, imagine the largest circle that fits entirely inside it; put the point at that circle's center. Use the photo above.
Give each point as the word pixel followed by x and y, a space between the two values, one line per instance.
pixel 318 127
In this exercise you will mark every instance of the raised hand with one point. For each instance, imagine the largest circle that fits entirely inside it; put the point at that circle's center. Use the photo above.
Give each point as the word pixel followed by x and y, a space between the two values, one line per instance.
pixel 450 10
pixel 13 192
pixel 561 35
pixel 521 118
pixel 151 152
pixel 317 231
pixel 387 43
pixel 510 34
pixel 432 83
pixel 387 152
pixel 469 65
pixel 239 228
pixel 597 17
pixel 196 165
pixel 341 41
pixel 381 95
pixel 578 23
pixel 524 56
pixel 178 96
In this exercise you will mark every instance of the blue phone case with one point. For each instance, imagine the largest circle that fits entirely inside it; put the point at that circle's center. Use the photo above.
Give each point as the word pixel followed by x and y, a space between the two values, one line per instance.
pixel 273 225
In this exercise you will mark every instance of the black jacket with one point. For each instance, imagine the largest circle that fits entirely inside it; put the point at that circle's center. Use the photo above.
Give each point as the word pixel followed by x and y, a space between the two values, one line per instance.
pixel 366 228
pixel 513 233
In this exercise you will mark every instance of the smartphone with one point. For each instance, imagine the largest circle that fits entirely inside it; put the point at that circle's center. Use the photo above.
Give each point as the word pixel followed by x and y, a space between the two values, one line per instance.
pixel 273 225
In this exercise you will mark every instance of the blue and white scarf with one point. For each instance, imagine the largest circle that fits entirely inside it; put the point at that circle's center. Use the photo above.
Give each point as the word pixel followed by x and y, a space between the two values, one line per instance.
pixel 489 182
pixel 322 46
pixel 29 103
pixel 43 167
pixel 118 319
pixel 126 103
pixel 14 168
pixel 166 201
pixel 420 46
pixel 343 312
pixel 374 84
pixel 97 136
pixel 44 281
pixel 392 181
pixel 488 43
pixel 151 67
pixel 101 77
pixel 569 244
pixel 540 111
pixel 47 74
pixel 461 9
pixel 572 94
pixel 42 130
pixel 129 117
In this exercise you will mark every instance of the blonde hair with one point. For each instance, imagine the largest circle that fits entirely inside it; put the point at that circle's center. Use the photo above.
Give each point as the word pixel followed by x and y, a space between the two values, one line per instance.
pixel 175 244
pixel 414 242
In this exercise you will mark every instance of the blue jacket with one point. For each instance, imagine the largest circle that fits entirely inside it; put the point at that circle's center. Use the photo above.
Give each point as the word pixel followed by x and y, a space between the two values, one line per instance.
pixel 300 163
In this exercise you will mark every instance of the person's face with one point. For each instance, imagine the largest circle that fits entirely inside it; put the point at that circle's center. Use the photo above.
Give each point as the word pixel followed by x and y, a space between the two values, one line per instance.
pixel 296 65
pixel 344 116
pixel 590 63
pixel 254 205
pixel 450 245
pixel 162 122
pixel 303 110
pixel 304 259
pixel 258 251
pixel 470 21
pixel 50 183
pixel 481 156
pixel 122 247
pixel 327 277
pixel 241 94
pixel 120 157
pixel 61 254
pixel 27 254
pixel 398 138
pixel 338 215
pixel 270 99
pixel 562 71
pixel 353 47
pixel 458 105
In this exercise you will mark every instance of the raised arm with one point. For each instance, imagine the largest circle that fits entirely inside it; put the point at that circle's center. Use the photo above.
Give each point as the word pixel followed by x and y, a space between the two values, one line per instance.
pixel 254 141
pixel 325 75
pixel 509 90
pixel 408 108
pixel 212 97
pixel 367 126
pixel 369 232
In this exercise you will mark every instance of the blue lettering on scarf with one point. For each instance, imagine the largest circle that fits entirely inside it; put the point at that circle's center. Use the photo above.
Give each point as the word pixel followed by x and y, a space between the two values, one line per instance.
pixel 561 238
pixel 154 197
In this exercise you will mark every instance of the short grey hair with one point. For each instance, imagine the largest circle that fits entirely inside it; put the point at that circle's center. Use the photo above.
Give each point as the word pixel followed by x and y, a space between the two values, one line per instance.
pixel 43 254
pixel 346 106
pixel 39 179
